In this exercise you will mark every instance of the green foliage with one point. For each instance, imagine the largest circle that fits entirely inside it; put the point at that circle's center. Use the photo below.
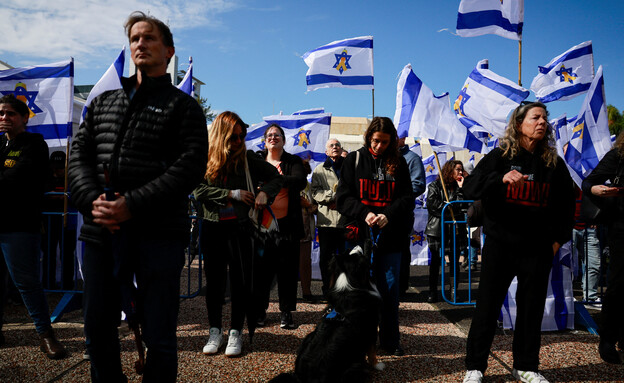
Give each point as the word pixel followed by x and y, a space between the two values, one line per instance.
pixel 616 120
pixel 210 115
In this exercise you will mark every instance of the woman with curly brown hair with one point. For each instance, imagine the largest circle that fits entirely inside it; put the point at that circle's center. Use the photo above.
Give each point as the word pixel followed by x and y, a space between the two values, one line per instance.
pixel 528 213
pixel 226 198
pixel 375 189
pixel 452 174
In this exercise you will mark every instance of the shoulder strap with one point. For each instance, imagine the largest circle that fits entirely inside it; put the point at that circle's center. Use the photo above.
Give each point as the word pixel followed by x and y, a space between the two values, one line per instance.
pixel 357 158
pixel 248 176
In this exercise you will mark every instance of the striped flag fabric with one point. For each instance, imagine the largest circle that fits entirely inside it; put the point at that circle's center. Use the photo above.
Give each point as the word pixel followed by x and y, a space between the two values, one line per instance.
pixel 306 134
pixel 341 64
pixel 486 99
pixel 590 139
pixel 566 76
pixel 48 90
pixel 420 113
pixel 111 80
pixel 500 17
pixel 186 85
pixel 559 306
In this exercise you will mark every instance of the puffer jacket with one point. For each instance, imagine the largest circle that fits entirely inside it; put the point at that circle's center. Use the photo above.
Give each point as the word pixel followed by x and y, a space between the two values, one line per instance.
pixel 155 146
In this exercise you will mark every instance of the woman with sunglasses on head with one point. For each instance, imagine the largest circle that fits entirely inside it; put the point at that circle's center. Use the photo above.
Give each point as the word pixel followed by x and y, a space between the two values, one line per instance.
pixel 283 258
pixel 226 199
pixel 528 213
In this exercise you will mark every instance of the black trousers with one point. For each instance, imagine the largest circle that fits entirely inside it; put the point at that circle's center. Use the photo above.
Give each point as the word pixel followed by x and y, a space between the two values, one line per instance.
pixel 612 326
pixel 223 245
pixel 501 262
pixel 331 242
pixel 281 260
pixel 436 262
pixel 157 263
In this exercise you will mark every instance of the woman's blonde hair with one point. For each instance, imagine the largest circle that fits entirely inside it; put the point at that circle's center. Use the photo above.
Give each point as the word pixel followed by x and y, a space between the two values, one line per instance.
pixel 220 160
pixel 510 142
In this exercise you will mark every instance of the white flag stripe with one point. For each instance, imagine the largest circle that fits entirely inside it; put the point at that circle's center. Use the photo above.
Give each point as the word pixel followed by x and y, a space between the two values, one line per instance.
pixel 480 17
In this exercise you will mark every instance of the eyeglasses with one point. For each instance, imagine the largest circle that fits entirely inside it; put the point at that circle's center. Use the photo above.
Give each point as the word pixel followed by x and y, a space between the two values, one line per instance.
pixel 335 145
pixel 241 136
pixel 274 135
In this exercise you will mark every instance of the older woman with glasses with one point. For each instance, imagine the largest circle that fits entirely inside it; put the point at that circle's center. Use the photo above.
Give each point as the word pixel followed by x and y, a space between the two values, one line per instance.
pixel 226 198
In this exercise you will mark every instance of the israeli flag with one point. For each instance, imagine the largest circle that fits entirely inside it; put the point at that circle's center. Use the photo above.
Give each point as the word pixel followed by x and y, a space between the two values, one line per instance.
pixel 306 135
pixel 341 64
pixel 590 139
pixel 559 306
pixel 48 90
pixel 186 85
pixel 420 113
pixel 481 17
pixel 111 80
pixel 416 148
pixel 566 76
pixel 486 99
pixel 560 127
pixel 431 167
pixel 419 247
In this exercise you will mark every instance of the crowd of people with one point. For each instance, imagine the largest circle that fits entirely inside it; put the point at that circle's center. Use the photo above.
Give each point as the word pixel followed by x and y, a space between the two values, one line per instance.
pixel 143 149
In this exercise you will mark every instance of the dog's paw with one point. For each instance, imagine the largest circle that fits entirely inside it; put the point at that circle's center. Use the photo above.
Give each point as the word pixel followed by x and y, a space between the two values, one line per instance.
pixel 380 366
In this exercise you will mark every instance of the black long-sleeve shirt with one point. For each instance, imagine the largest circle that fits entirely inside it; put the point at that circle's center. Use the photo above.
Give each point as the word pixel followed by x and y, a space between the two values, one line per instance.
pixel 542 210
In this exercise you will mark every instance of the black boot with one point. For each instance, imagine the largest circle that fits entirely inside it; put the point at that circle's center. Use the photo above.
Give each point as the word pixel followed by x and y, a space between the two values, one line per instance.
pixel 50 346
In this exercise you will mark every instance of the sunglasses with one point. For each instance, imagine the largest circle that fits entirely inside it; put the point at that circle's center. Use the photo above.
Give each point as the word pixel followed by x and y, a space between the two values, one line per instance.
pixel 274 135
pixel 334 145
pixel 241 136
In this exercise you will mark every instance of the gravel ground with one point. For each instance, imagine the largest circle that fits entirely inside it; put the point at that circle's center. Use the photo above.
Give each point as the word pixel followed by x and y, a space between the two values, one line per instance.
pixel 434 347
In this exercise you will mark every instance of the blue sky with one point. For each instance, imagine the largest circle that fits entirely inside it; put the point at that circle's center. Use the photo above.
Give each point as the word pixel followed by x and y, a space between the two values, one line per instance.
pixel 248 52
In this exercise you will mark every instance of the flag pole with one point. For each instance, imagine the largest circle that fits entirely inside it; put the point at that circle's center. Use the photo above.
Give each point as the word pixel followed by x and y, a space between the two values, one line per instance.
pixel 373 93
pixel 442 182
pixel 520 62
pixel 65 201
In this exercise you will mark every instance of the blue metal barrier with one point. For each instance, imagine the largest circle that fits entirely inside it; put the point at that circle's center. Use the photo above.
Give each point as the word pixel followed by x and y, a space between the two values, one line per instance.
pixel 57 237
pixel 453 258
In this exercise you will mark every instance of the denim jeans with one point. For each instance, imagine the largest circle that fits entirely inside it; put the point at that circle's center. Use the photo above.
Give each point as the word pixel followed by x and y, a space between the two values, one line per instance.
pixel 157 263
pixel 589 262
pixel 21 252
pixel 386 271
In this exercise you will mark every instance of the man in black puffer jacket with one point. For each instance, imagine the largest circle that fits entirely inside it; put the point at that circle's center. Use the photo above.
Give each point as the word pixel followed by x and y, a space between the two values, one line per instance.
pixel 148 144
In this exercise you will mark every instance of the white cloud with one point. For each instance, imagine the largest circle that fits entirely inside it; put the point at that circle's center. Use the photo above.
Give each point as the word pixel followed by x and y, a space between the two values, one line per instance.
pixel 88 29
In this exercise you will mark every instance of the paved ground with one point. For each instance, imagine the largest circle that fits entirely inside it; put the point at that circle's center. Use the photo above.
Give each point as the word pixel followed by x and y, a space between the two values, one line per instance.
pixel 433 335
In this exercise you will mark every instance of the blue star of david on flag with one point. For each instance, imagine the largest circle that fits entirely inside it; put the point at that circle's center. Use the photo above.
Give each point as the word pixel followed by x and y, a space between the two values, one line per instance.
pixel 418 238
pixel 28 97
pixel 302 138
pixel 566 75
pixel 342 61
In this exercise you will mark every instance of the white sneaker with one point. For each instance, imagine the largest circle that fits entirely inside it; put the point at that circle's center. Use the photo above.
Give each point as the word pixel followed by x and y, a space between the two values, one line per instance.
pixel 528 376
pixel 473 376
pixel 235 344
pixel 215 341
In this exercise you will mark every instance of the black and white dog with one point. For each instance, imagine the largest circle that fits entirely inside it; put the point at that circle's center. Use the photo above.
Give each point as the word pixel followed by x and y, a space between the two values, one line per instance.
pixel 336 351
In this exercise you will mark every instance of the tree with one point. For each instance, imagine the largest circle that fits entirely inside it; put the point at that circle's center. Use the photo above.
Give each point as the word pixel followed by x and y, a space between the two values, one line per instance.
pixel 616 120
pixel 210 115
